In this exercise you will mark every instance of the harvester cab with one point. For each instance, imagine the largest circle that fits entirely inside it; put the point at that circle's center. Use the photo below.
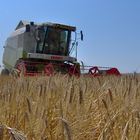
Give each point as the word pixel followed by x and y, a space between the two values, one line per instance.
pixel 34 49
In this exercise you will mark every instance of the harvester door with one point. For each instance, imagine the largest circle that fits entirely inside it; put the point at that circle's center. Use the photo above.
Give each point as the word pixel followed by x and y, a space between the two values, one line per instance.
pixel 40 40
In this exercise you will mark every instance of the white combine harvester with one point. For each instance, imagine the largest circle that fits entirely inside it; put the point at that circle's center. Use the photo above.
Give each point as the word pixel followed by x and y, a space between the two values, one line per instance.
pixel 34 49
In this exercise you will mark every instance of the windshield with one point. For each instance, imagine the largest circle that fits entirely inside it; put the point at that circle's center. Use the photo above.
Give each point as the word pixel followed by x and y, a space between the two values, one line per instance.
pixel 53 41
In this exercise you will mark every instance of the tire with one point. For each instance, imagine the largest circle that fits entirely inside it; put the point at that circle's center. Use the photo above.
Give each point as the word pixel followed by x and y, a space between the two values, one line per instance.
pixel 4 72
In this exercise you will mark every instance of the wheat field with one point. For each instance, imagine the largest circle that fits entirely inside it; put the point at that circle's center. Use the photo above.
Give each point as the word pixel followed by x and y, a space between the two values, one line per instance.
pixel 69 108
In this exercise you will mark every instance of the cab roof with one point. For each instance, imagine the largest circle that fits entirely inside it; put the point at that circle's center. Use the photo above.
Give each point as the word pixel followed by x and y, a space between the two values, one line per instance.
pixel 23 23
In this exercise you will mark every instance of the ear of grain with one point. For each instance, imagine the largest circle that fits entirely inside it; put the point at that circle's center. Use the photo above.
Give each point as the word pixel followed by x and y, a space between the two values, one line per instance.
pixel 80 96
pixel 1 132
pixel 29 105
pixel 15 135
pixel 105 104
pixel 110 95
pixel 125 131
pixel 67 129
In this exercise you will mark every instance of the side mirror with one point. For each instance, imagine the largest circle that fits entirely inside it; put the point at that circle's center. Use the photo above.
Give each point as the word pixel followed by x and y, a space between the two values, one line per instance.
pixel 81 32
pixel 32 23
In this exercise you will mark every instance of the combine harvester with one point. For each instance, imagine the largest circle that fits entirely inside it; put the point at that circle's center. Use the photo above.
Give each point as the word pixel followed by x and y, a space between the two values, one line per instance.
pixel 45 49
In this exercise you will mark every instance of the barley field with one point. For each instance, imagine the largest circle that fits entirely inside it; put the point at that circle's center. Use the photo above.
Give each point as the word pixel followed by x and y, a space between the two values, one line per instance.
pixel 69 108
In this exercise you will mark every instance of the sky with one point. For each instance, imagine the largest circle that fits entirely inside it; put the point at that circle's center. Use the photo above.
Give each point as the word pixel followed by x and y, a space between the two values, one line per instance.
pixel 111 28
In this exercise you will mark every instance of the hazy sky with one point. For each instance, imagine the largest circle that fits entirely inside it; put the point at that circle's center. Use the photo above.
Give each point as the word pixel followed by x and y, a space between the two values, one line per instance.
pixel 111 27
